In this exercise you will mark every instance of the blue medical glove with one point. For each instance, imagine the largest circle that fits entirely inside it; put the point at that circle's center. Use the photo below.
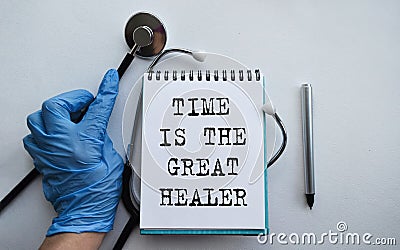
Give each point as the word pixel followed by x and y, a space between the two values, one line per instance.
pixel 80 167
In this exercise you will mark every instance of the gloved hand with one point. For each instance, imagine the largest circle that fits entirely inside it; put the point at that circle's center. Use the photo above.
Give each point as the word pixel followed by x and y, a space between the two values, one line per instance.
pixel 80 167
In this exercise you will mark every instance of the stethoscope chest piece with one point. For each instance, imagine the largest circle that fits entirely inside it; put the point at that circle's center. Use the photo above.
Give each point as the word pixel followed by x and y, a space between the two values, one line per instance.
pixel 146 22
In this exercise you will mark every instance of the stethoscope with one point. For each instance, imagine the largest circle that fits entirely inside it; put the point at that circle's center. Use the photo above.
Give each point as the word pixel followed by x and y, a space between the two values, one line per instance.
pixel 146 37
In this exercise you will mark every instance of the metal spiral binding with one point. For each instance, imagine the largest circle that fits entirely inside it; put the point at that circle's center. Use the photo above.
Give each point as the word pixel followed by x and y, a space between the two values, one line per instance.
pixel 183 75
pixel 240 75
pixel 216 75
pixel 225 75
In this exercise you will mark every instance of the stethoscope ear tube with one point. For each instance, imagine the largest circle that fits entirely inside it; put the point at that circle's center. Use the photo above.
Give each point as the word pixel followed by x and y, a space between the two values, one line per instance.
pixel 18 188
pixel 125 64
pixel 282 148
pixel 126 194
pixel 133 211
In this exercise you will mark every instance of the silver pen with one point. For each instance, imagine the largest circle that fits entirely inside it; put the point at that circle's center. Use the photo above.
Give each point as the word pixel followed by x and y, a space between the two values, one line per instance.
pixel 308 142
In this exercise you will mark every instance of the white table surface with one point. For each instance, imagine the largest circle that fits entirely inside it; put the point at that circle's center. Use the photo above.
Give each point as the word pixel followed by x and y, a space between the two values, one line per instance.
pixel 348 50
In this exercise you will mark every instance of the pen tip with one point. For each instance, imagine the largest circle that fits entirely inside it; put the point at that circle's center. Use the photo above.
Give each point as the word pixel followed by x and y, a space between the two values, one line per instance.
pixel 310 200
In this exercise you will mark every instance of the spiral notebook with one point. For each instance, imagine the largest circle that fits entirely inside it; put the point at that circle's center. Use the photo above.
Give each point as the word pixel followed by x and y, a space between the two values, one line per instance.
pixel 203 136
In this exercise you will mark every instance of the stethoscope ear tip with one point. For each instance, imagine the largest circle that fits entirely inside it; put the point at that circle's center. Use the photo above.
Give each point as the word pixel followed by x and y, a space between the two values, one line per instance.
pixel 268 108
pixel 199 56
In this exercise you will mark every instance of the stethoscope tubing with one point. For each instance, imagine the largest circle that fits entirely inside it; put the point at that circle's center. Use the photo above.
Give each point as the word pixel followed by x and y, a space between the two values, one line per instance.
pixel 126 177
pixel 127 172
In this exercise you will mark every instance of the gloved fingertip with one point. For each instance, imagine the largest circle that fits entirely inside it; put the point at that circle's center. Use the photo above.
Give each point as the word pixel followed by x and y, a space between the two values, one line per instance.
pixel 34 118
pixel 83 94
pixel 26 139
pixel 67 102
pixel 109 85
pixel 100 109
pixel 29 143
pixel 113 74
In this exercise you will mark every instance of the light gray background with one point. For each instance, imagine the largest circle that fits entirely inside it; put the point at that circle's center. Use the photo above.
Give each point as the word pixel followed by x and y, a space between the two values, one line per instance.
pixel 348 50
